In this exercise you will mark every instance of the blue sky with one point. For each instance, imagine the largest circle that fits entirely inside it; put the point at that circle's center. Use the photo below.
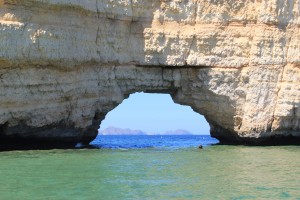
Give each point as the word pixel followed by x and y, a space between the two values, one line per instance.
pixel 155 113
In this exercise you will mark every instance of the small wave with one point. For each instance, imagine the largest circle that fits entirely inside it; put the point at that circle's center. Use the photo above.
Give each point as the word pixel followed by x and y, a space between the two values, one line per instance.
pixel 153 142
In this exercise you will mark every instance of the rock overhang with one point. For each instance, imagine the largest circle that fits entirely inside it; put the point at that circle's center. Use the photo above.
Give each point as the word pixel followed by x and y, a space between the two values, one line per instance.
pixel 66 64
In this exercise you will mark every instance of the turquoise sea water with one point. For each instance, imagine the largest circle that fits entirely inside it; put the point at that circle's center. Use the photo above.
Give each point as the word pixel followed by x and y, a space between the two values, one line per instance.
pixel 154 172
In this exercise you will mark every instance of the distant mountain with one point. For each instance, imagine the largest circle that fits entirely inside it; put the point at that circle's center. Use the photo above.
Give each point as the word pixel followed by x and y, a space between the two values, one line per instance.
pixel 120 131
pixel 177 132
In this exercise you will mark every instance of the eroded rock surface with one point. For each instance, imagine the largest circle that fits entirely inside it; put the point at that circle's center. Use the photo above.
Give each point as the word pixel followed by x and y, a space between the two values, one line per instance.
pixel 65 64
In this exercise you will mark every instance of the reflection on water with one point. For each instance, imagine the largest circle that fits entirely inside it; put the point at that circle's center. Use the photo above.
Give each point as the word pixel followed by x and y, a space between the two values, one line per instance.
pixel 215 172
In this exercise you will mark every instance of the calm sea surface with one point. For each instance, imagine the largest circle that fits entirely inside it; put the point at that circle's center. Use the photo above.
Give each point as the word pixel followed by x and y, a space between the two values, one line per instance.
pixel 152 167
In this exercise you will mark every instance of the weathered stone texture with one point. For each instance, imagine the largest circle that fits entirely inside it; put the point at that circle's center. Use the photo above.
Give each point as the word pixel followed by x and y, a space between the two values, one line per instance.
pixel 64 64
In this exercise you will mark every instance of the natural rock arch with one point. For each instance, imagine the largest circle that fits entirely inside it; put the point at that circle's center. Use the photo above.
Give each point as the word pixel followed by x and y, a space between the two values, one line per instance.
pixel 66 64
pixel 217 93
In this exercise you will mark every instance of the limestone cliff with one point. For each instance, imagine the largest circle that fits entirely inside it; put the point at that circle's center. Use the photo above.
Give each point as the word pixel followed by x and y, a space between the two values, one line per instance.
pixel 64 64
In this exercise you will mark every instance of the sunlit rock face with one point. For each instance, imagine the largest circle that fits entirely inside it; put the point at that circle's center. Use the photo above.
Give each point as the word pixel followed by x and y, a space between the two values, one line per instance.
pixel 65 64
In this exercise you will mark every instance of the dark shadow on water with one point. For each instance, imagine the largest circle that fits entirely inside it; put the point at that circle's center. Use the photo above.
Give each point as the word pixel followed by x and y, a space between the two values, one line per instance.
pixel 136 142
pixel 277 140
pixel 33 144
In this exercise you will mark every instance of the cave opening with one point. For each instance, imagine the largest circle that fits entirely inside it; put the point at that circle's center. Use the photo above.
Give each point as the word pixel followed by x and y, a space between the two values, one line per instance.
pixel 143 118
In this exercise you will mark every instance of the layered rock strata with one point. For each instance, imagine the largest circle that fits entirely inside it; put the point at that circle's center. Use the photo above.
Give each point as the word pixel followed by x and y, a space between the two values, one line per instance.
pixel 65 64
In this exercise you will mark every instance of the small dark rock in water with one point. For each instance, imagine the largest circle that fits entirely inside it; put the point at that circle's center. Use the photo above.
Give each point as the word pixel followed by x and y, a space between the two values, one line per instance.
pixel 200 147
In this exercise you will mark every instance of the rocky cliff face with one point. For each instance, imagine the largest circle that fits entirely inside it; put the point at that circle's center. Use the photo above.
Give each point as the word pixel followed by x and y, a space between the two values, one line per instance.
pixel 65 64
